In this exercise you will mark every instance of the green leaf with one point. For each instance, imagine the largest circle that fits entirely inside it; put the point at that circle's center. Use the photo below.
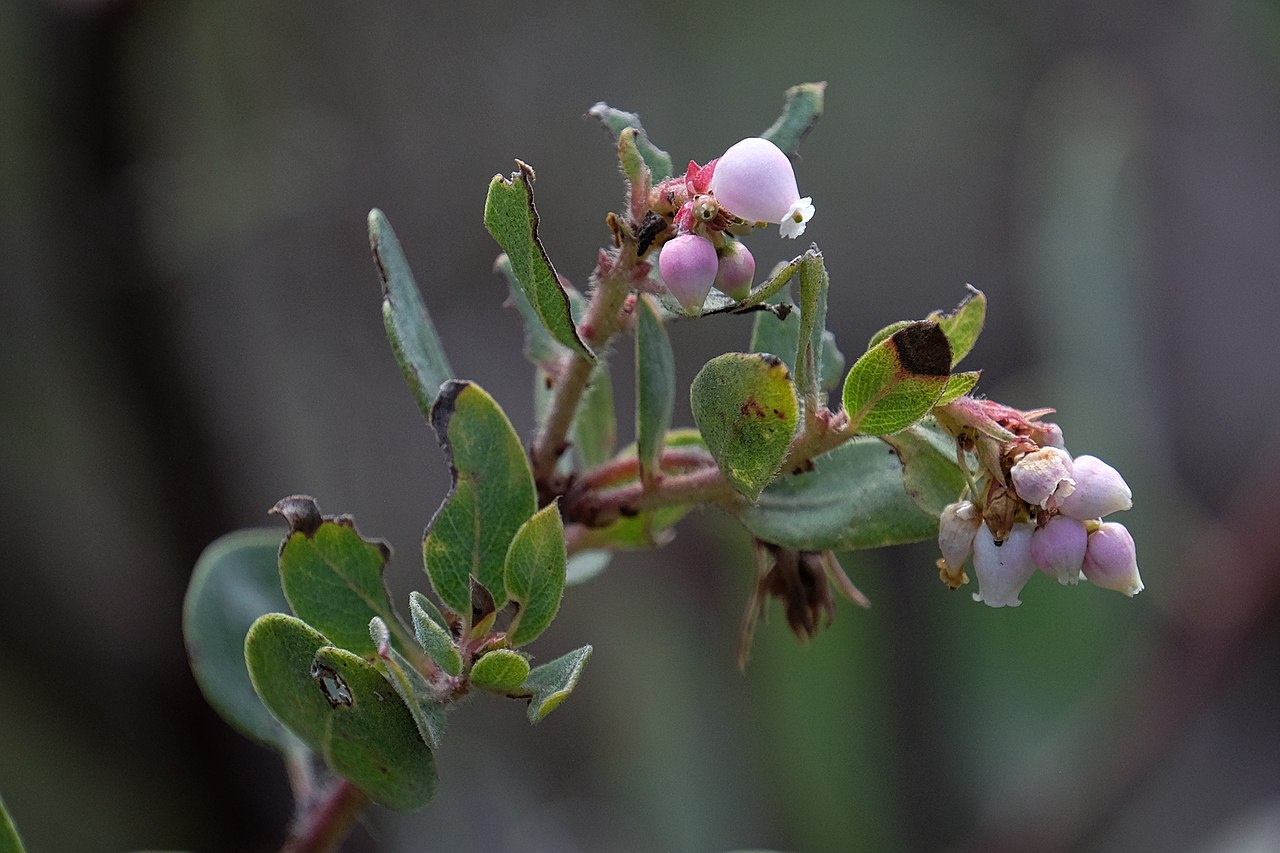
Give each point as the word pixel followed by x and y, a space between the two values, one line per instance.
pixel 781 276
pixel 781 336
pixel 550 684
pixel 896 382
pixel 655 385
pixel 432 633
pixel 342 708
pixel 420 700
pixel 800 113
pixel 958 385
pixel 535 570
pixel 813 320
pixel 595 425
pixel 500 671
pixel 853 498
pixel 512 219
pixel 963 325
pixel 539 347
pixel 745 406
pixel 413 336
pixel 332 576
pixel 235 581
pixel 492 495
pixel 931 474
pixel 9 840
pixel 658 161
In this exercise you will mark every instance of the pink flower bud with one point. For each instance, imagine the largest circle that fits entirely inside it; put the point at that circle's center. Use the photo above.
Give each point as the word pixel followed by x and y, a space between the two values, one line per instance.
pixel 1057 549
pixel 688 266
pixel 1047 435
pixel 754 181
pixel 1002 570
pixel 1100 490
pixel 1043 475
pixel 737 270
pixel 1111 560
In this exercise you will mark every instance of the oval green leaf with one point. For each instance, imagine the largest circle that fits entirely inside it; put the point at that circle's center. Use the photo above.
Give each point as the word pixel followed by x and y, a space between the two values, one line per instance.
pixel 432 633
pixel 500 671
pixel 332 576
pixel 535 572
pixel 963 325
pixel 413 336
pixel 492 495
pixel 342 708
pixel 423 703
pixel 853 498
pixel 658 161
pixel 235 581
pixel 745 406
pixel 896 382
pixel 930 471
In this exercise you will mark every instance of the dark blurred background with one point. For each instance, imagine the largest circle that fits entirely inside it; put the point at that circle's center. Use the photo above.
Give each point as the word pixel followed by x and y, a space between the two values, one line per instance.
pixel 190 330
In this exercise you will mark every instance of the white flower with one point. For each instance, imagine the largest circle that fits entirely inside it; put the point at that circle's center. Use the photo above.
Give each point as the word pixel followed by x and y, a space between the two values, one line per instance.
pixel 1058 549
pixel 795 220
pixel 956 528
pixel 1002 570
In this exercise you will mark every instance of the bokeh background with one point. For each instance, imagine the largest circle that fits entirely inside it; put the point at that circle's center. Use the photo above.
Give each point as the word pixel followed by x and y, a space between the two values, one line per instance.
pixel 190 330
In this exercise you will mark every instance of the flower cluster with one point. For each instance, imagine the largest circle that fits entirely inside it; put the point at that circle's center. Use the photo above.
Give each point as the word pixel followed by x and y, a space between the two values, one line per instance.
pixel 1032 507
pixel 710 206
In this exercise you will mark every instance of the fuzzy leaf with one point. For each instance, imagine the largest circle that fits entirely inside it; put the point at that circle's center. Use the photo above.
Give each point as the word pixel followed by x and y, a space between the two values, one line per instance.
pixel 535 571
pixel 963 325
pixel 432 633
pixel 745 406
pixel 419 699
pixel 896 382
pixel 800 113
pixel 930 473
pixel 332 576
pixel 655 385
pixel 539 347
pixel 658 161
pixel 342 708
pixel 958 385
pixel 781 336
pixel 413 336
pixel 492 495
pixel 500 671
pixel 550 684
pixel 853 498
pixel 512 219
pixel 813 320
pixel 235 581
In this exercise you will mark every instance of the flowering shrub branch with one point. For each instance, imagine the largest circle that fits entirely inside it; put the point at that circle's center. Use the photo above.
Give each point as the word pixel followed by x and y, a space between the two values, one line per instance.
pixel 297 643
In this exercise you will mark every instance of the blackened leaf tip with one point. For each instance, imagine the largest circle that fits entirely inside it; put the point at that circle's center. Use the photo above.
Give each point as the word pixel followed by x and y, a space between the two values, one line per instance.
pixel 301 513
pixel 923 349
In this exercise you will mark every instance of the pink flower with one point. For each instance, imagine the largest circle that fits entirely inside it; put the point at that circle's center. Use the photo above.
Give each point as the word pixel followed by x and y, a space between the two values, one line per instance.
pixel 688 266
pixel 1111 559
pixel 754 181
pixel 736 271
pixel 1058 549
pixel 1100 490
pixel 1002 570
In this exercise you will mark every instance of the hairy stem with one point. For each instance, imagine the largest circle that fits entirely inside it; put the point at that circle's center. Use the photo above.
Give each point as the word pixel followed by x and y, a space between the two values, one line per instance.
pixel 329 822
pixel 603 321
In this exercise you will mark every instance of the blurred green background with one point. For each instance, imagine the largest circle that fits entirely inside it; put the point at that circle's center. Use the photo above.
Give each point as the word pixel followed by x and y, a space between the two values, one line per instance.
pixel 190 329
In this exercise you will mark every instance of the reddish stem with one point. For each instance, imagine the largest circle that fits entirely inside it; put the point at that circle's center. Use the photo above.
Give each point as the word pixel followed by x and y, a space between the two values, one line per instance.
pixel 329 822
